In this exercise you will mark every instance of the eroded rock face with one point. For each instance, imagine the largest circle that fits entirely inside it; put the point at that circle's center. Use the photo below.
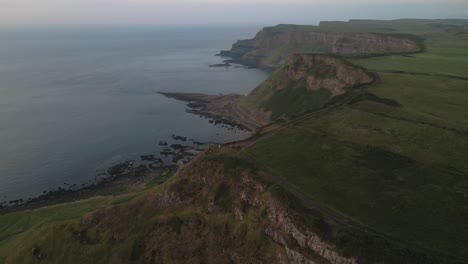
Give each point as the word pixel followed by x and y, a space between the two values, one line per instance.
pixel 306 82
pixel 296 257
pixel 320 72
pixel 194 218
pixel 168 199
pixel 282 224
pixel 270 48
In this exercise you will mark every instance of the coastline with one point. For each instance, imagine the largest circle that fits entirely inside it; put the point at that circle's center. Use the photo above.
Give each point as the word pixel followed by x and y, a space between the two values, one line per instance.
pixel 58 129
pixel 151 169
pixel 140 173
pixel 222 109
pixel 158 167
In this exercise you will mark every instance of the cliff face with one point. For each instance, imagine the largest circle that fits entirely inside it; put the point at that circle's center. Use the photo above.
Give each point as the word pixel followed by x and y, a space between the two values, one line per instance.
pixel 250 203
pixel 317 72
pixel 271 46
pixel 306 82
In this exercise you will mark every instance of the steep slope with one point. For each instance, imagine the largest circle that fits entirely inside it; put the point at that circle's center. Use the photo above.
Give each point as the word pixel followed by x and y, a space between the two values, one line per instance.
pixel 306 82
pixel 272 46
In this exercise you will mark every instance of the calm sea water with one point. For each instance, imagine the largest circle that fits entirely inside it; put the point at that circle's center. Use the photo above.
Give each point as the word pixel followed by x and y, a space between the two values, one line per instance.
pixel 74 100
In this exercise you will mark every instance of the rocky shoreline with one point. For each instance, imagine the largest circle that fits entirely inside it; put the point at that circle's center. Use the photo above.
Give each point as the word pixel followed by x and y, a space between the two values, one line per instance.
pixel 143 171
pixel 151 168
pixel 232 61
pixel 221 109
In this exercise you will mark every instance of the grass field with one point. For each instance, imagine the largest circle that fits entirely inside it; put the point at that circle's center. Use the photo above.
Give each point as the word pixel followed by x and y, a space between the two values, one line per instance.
pixel 395 193
pixel 21 231
pixel 15 227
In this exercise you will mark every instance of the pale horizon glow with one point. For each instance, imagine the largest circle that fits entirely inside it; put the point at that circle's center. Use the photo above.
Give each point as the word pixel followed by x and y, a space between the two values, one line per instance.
pixel 221 12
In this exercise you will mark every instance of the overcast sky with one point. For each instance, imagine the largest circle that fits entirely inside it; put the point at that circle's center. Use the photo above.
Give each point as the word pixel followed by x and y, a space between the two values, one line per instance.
pixel 221 11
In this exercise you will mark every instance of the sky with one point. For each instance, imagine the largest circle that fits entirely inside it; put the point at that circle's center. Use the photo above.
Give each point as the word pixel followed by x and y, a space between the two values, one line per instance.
pixel 221 11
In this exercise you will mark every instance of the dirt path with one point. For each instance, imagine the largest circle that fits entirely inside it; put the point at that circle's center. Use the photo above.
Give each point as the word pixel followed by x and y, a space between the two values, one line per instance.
pixel 424 74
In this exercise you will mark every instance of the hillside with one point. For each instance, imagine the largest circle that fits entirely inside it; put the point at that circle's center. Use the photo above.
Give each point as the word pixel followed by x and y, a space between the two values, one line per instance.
pixel 305 83
pixel 360 160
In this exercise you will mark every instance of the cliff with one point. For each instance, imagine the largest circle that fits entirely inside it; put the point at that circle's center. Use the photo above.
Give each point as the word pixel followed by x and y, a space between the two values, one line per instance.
pixel 271 46
pixel 320 72
pixel 306 82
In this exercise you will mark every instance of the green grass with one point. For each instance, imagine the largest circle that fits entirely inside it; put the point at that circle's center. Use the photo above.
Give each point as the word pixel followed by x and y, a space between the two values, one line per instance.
pixel 257 97
pixel 23 230
pixel 378 187
pixel 293 102
pixel 15 227
pixel 438 99
pixel 285 102
pixel 445 55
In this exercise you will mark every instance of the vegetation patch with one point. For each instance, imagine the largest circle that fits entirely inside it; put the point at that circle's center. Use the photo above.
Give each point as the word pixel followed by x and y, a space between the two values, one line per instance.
pixel 294 101
pixel 223 197
pixel 374 98
pixel 392 193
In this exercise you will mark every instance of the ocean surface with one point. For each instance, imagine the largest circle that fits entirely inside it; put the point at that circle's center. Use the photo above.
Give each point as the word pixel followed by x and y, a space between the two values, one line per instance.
pixel 75 100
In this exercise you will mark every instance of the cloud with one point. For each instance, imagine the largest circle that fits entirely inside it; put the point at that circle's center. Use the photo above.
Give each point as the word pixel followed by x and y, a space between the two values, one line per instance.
pixel 288 2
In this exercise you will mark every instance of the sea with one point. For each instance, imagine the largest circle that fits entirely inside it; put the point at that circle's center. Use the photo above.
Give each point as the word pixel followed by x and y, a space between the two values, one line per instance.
pixel 75 100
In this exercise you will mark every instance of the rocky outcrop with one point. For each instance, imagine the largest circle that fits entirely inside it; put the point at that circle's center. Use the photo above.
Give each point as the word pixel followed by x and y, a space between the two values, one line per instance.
pixel 272 46
pixel 307 82
pixel 320 72
pixel 168 199
pixel 222 109
pixel 296 257
pixel 281 223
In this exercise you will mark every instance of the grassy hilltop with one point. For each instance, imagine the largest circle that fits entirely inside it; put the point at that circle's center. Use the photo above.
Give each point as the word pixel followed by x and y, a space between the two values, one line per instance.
pixel 377 174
